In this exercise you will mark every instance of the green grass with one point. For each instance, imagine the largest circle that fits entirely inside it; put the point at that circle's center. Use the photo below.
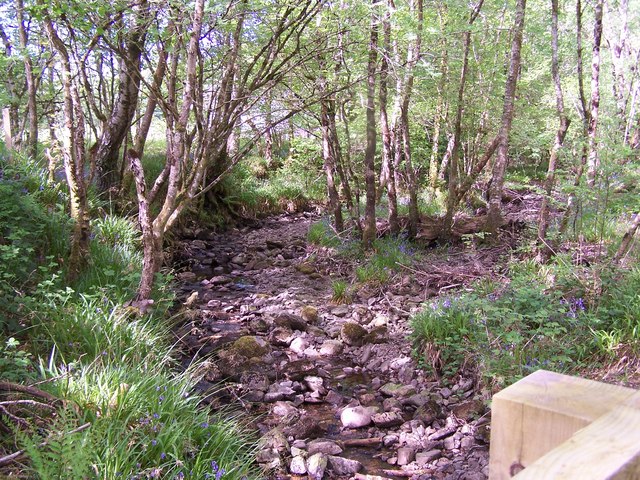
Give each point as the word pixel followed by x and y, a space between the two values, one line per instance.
pixel 113 367
pixel 388 256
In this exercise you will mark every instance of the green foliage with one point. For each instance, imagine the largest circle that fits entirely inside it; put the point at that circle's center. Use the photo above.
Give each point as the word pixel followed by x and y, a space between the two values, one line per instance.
pixel 340 290
pixel 503 336
pixel 321 233
pixel 60 454
pixel 15 364
pixel 389 254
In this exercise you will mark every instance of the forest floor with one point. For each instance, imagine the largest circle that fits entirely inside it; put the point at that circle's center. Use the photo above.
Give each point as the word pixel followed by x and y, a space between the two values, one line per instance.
pixel 333 388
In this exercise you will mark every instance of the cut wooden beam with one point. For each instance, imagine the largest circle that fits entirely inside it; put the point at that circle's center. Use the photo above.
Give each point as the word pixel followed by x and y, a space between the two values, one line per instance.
pixel 542 411
pixel 608 449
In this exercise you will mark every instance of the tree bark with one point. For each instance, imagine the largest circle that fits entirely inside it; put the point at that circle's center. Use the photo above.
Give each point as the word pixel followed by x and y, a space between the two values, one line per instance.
pixel 369 228
pixel 625 245
pixel 32 106
pixel 327 110
pixel 593 159
pixel 125 104
pixel 387 174
pixel 544 250
pixel 73 155
pixel 494 216
pixel 452 198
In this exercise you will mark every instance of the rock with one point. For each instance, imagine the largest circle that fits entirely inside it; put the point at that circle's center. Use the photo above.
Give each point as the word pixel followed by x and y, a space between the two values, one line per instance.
pixel 280 337
pixel 376 335
pixel 331 348
pixel 191 299
pixel 187 277
pixel 467 442
pixel 316 465
pixel 309 314
pixel 340 311
pixel 334 398
pixel 273 244
pixel 387 419
pixel 352 333
pixel 397 390
pixel 298 466
pixel 250 346
pixel 445 392
pixel 355 417
pixel 274 440
pixel 298 345
pixel 306 427
pixel 315 384
pixel 344 466
pixel 219 280
pixel 468 409
pixel 423 458
pixel 321 445
pixel 285 409
pixel 290 321
pixel 307 269
pixel 405 455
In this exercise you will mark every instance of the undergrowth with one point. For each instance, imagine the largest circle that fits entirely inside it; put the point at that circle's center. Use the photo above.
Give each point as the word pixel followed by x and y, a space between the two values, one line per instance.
pixel 127 411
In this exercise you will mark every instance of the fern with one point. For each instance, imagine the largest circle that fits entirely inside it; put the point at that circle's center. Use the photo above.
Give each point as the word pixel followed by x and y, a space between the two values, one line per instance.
pixel 60 455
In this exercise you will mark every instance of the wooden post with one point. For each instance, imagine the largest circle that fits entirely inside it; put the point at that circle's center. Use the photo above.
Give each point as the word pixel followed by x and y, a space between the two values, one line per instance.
pixel 609 449
pixel 541 412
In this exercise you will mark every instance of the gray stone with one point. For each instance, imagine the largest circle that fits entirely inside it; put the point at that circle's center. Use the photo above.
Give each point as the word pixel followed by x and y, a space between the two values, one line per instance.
pixel 397 390
pixel 340 311
pixel 298 466
pixel 423 458
pixel 316 465
pixel 387 419
pixel 344 466
pixel 219 280
pixel 331 348
pixel 405 455
pixel 321 445
pixel 290 321
pixel 299 345
pixel 355 417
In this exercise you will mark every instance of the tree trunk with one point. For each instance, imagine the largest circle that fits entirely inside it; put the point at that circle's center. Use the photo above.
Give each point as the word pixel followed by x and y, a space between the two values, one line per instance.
pixel 387 174
pixel 452 198
pixel 584 115
pixel 32 108
pixel 593 159
pixel 73 155
pixel 369 230
pixel 544 250
pixel 328 150
pixel 625 245
pixel 125 104
pixel 494 216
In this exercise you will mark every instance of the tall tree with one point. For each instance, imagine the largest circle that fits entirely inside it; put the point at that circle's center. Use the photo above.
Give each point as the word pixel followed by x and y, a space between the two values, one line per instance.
pixel 452 200
pixel 494 216
pixel 593 158
pixel 369 227
pixel 30 78
pixel 543 219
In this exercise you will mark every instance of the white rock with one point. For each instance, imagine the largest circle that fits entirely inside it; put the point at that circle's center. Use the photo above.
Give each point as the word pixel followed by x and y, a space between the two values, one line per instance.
pixel 355 417
pixel 298 466
pixel 321 445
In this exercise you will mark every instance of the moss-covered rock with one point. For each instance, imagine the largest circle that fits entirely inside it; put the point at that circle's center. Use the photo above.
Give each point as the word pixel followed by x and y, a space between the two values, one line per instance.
pixel 250 346
pixel 309 314
pixel 353 333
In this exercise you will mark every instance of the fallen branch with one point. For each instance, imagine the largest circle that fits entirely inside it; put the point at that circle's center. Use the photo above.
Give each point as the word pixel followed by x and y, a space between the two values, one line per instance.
pixel 361 442
pixel 407 473
pixel 6 460
pixel 34 392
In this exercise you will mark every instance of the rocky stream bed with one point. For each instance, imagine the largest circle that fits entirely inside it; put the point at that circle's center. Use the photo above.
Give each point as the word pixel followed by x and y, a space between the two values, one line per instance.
pixel 333 389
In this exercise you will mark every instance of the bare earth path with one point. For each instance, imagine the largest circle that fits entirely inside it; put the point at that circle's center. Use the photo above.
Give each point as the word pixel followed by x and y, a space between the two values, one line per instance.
pixel 334 390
